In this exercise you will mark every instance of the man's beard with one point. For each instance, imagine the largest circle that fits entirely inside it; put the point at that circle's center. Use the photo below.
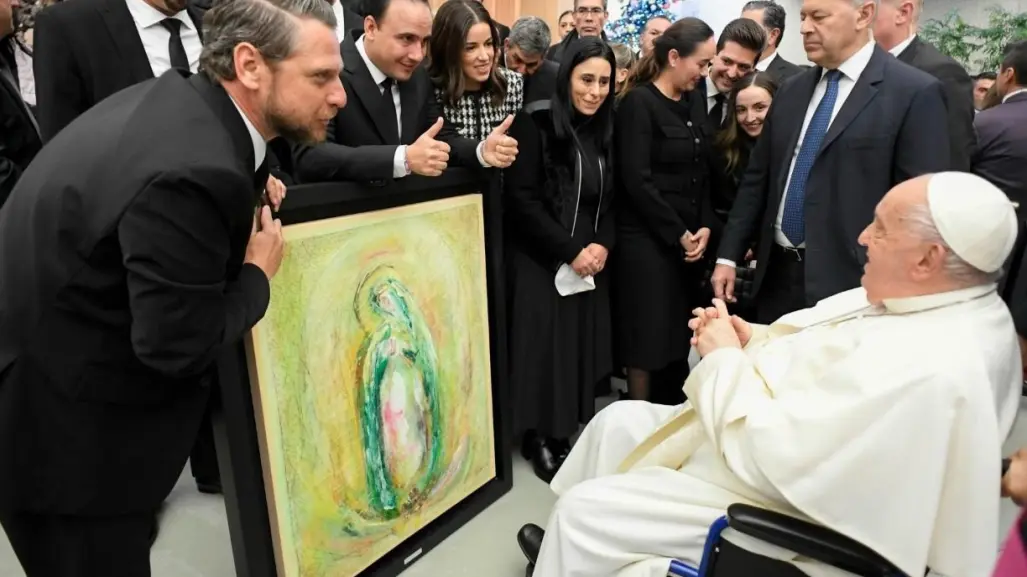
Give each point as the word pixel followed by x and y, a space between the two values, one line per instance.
pixel 293 131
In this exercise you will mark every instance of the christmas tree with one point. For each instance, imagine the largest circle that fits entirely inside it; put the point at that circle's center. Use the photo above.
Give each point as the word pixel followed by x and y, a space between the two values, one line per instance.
pixel 628 28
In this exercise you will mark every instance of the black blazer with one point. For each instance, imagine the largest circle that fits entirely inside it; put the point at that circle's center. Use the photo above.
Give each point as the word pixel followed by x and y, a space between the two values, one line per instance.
pixel 541 192
pixel 358 147
pixel 783 70
pixel 959 98
pixel 19 140
pixel 542 84
pixel 663 166
pixel 890 129
pixel 1001 156
pixel 128 250
pixel 83 52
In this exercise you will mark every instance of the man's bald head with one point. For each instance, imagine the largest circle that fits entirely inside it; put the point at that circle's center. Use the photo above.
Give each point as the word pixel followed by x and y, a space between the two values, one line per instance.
pixel 937 233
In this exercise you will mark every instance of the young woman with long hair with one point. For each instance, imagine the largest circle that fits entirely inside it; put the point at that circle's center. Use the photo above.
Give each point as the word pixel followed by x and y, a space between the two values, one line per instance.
pixel 748 105
pixel 662 150
pixel 560 230
pixel 473 92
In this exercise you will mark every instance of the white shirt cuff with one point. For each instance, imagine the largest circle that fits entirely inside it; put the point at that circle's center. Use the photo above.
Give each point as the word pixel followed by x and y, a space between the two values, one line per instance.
pixel 729 263
pixel 479 153
pixel 399 162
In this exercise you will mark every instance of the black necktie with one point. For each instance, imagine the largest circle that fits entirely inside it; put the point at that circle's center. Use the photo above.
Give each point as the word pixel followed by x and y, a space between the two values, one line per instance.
pixel 717 112
pixel 175 48
pixel 388 112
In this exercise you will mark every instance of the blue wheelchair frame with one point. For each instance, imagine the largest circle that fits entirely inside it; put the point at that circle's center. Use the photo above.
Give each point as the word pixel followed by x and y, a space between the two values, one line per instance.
pixel 679 569
pixel 816 542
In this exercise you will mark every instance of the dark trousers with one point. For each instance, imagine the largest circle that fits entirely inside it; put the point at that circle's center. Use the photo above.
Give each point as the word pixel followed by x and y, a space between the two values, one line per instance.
pixel 666 386
pixel 68 546
pixel 783 289
pixel 204 458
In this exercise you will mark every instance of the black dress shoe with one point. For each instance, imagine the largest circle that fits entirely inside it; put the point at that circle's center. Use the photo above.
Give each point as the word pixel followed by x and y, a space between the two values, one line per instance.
pixel 545 459
pixel 529 538
pixel 209 486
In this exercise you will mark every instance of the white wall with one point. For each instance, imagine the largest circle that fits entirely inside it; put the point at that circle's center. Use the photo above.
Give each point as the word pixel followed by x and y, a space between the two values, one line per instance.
pixel 791 44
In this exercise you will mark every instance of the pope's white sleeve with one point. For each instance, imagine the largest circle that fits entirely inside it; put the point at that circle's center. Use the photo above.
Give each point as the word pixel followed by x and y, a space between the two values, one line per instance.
pixel 723 389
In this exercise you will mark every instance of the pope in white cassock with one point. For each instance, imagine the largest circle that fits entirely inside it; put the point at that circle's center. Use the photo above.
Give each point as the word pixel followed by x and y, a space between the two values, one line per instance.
pixel 879 413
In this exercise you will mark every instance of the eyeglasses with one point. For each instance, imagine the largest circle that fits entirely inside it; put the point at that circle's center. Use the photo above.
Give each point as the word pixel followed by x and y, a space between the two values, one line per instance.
pixel 594 10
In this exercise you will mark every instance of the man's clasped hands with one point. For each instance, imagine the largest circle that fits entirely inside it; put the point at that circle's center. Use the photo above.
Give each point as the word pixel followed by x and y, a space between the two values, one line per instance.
pixel 714 328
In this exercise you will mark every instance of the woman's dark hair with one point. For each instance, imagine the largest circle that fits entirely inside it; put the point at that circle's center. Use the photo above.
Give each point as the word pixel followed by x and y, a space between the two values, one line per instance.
pixel 730 139
pixel 562 105
pixel 446 50
pixel 684 36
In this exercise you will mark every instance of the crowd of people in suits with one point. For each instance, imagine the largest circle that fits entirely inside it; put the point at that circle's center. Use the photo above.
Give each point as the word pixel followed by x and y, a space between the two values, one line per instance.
pixel 636 186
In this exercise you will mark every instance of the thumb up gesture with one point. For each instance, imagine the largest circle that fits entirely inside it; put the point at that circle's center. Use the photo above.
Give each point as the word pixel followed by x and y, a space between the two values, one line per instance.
pixel 427 156
pixel 500 150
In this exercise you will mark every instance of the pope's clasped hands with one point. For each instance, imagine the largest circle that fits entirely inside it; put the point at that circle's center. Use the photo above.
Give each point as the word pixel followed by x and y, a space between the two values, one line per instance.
pixel 714 328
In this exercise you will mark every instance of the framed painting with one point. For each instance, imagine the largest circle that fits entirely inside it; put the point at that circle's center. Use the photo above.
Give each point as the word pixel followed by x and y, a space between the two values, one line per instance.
pixel 374 382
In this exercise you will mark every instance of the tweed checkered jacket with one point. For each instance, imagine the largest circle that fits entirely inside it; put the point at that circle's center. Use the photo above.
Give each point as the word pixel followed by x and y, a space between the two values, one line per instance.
pixel 475 116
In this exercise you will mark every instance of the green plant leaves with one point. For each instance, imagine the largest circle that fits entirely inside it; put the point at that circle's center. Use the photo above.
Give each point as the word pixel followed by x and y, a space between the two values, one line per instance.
pixel 977 48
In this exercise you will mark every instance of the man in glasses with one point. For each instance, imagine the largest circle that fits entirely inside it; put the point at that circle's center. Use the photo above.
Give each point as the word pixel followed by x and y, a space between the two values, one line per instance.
pixel 589 18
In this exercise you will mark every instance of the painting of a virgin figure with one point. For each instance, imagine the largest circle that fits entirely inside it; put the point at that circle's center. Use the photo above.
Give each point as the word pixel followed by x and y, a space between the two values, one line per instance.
pixel 372 382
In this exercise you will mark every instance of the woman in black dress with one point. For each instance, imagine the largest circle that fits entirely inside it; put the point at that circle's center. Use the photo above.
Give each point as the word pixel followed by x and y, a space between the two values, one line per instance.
pixel 560 230
pixel 663 173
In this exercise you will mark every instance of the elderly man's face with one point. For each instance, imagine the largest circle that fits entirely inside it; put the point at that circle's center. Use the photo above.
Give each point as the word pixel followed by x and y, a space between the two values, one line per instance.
pixel 589 17
pixel 897 258
pixel 653 30
pixel 832 30
pixel 520 61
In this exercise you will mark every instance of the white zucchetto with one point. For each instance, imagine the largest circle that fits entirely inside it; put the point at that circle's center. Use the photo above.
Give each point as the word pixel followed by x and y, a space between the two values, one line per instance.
pixel 974 217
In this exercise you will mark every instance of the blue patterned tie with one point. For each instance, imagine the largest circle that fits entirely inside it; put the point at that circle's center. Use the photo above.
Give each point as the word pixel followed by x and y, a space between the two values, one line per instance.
pixel 793 223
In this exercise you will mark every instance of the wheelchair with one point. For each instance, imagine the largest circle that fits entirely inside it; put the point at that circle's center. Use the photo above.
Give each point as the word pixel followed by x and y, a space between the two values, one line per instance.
pixel 721 558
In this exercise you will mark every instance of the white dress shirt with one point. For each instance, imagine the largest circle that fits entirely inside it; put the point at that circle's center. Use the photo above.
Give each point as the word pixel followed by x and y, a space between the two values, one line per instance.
pixel 901 46
pixel 259 144
pixel 851 70
pixel 711 97
pixel 764 64
pixel 26 79
pixel 155 36
pixel 399 161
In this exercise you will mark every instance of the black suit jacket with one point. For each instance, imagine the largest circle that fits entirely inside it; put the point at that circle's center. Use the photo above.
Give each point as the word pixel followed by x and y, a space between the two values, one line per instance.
pixel 782 70
pixel 83 52
pixel 891 128
pixel 542 84
pixel 1001 155
pixel 959 98
pixel 128 252
pixel 358 147
pixel 19 140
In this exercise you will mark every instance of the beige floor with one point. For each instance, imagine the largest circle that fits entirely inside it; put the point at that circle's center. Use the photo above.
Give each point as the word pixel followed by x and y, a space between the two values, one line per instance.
pixel 194 539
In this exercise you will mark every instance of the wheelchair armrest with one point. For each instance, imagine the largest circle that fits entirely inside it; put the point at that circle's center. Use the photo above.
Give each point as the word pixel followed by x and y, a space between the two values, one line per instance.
pixel 809 540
